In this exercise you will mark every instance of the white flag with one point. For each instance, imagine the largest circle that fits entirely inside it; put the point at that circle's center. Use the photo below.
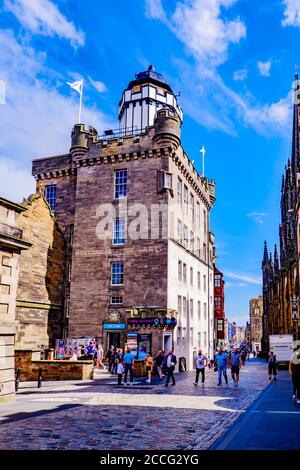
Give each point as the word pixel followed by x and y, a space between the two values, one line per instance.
pixel 76 85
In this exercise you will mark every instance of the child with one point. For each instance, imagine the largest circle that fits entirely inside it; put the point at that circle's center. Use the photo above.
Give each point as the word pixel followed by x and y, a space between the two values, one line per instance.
pixel 120 370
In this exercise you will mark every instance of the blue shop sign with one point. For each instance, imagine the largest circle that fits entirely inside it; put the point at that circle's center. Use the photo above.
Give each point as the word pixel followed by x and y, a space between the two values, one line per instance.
pixel 114 326
pixel 170 321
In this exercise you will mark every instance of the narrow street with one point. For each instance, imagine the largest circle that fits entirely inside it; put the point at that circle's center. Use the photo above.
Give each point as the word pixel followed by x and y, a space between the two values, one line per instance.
pixel 272 422
pixel 100 415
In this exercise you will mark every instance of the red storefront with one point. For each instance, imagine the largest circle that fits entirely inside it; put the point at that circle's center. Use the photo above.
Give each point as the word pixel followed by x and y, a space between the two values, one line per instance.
pixel 219 307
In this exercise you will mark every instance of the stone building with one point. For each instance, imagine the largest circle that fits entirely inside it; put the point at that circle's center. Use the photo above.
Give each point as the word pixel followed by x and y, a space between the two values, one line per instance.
pixel 135 214
pixel 12 245
pixel 281 273
pixel 256 322
pixel 40 294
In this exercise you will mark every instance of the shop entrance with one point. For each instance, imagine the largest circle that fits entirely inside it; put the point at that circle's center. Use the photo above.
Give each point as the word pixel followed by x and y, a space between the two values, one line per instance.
pixel 167 343
pixel 113 339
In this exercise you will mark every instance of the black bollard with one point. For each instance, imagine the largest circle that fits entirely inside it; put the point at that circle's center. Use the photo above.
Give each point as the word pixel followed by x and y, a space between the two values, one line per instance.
pixel 40 378
pixel 17 382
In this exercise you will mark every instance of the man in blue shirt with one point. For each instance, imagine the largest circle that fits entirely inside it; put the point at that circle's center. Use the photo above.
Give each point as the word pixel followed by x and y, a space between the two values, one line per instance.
pixel 128 363
pixel 235 362
pixel 221 362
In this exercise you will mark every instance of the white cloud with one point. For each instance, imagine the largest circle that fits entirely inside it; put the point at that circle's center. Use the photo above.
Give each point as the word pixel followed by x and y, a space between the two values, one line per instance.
pixel 245 277
pixel 36 120
pixel 99 86
pixel 258 217
pixel 291 13
pixel 228 285
pixel 43 17
pixel 275 115
pixel 207 35
pixel 264 68
pixel 154 10
pixel 200 26
pixel 240 75
pixel 16 182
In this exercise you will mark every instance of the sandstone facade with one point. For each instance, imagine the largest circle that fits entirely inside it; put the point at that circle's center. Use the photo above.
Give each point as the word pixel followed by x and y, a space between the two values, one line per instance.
pixel 39 313
pixel 156 165
pixel 11 246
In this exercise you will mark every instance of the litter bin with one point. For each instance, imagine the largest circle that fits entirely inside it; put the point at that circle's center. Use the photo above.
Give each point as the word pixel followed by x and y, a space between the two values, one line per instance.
pixel 182 364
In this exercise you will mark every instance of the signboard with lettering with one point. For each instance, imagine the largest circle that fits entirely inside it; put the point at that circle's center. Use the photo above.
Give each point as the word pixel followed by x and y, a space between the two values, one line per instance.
pixel 114 326
pixel 138 321
pixel 220 328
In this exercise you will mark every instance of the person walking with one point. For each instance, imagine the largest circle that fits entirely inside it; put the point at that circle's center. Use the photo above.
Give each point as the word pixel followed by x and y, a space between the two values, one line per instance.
pixel 221 364
pixel 115 358
pixel 200 362
pixel 294 369
pixel 128 364
pixel 243 356
pixel 235 364
pixel 170 362
pixel 272 366
pixel 149 365
pixel 99 353
pixel 159 359
pixel 120 370
pixel 109 357
pixel 91 351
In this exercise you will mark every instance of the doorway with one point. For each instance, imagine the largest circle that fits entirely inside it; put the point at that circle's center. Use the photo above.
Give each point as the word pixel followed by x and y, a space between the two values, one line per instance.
pixel 113 339
pixel 167 343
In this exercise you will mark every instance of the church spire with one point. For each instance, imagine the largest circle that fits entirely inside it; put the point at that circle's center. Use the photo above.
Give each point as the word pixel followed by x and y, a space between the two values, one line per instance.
pixel 276 261
pixel 296 126
pixel 266 256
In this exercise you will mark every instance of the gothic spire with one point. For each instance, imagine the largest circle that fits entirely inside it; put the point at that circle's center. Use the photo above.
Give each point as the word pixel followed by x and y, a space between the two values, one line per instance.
pixel 266 257
pixel 276 261
pixel 296 127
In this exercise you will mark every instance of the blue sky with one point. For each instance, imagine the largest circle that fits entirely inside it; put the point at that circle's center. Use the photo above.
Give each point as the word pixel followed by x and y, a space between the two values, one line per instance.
pixel 233 62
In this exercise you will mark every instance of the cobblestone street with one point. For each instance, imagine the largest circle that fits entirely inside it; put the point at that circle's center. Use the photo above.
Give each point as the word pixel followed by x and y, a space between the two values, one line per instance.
pixel 100 415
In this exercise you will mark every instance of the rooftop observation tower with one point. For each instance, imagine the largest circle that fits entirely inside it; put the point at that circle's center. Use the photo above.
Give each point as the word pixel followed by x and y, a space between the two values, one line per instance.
pixel 141 100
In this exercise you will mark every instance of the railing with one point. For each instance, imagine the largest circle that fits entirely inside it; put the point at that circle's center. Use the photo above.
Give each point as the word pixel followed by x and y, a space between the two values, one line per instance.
pixel 119 133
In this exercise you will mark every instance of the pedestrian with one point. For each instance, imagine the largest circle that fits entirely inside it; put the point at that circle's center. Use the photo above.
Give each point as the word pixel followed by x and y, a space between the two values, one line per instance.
pixel 159 359
pixel 128 364
pixel 235 363
pixel 82 351
pixel 221 365
pixel 109 357
pixel 254 354
pixel 272 366
pixel 115 358
pixel 120 370
pixel 99 357
pixel 294 369
pixel 170 362
pixel 149 365
pixel 243 356
pixel 200 363
pixel 91 351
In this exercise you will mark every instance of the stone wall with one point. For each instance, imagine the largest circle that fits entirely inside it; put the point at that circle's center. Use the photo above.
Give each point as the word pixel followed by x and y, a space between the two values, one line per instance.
pixel 40 293
pixel 7 363
pixel 29 364
pixel 11 245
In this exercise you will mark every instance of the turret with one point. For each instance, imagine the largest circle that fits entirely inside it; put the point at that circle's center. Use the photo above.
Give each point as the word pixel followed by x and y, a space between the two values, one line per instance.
pixel 167 128
pixel 80 139
pixel 142 99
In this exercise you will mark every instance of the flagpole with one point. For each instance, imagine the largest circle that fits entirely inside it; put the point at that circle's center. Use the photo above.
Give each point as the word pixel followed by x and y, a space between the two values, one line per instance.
pixel 80 103
pixel 203 159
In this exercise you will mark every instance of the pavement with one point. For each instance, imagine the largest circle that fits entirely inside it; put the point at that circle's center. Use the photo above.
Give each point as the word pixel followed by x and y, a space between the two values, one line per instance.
pixel 100 415
pixel 271 423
